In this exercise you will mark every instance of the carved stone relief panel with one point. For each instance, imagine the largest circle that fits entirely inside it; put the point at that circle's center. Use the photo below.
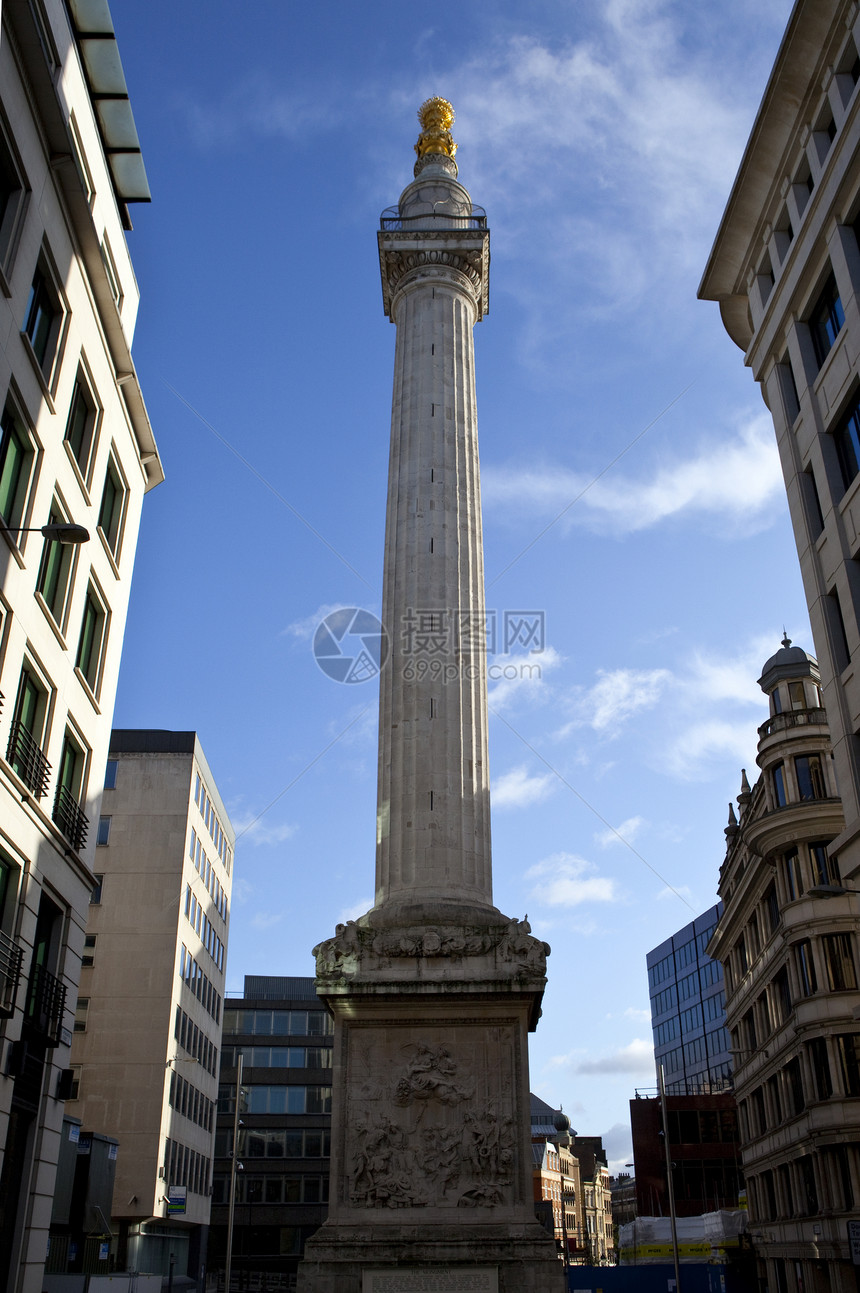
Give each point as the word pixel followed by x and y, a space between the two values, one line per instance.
pixel 438 1129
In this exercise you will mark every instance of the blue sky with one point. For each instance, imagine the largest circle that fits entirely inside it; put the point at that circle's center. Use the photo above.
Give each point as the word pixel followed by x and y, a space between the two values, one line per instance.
pixel 631 487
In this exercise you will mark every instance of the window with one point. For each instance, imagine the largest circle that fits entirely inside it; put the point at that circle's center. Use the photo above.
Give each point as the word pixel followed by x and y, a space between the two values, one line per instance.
pixel 825 869
pixel 89 949
pixel 742 958
pixel 775 1102
pixel 110 774
pixel 15 458
pixel 810 776
pixel 826 319
pixel 92 641
pixel 81 1011
pixel 112 510
pixel 81 425
pixel 812 501
pixel 820 1065
pixel 796 695
pixel 846 437
pixel 779 794
pixel 781 996
pixel 839 962
pixel 96 895
pixel 848 1049
pixel 805 967
pixel 771 906
pixel 793 881
pixel 55 572
pixel 103 833
pixel 43 319
pixel 808 1192
pixel 110 270
pixel 12 195
pixel 27 731
pixel 836 630
pixel 794 1086
pixel 68 814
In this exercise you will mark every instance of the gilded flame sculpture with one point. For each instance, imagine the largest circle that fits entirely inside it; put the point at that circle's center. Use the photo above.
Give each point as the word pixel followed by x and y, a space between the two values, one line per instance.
pixel 437 117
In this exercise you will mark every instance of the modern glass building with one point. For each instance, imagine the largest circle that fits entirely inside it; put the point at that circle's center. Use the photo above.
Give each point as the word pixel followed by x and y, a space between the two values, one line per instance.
pixel 688 1010
pixel 281 1184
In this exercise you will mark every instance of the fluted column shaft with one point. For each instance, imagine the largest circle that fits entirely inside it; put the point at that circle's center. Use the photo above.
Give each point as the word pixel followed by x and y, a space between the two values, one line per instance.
pixel 433 810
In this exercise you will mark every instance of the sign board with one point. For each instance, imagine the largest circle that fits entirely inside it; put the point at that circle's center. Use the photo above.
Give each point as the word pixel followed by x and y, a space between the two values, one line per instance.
pixel 176 1197
pixel 854 1241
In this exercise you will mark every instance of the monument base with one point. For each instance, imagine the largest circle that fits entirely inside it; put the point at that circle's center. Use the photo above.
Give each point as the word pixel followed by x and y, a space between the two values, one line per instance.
pixel 431 1167
pixel 396 1259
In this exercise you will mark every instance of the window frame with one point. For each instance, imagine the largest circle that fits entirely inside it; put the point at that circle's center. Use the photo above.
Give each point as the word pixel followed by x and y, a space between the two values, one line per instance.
pixel 112 535
pixel 13 208
pixel 44 344
pixel 13 423
pixel 826 319
pixel 83 456
pixel 90 656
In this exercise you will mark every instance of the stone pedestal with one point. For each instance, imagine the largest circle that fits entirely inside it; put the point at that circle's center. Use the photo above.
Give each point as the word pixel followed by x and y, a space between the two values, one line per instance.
pixel 431 1176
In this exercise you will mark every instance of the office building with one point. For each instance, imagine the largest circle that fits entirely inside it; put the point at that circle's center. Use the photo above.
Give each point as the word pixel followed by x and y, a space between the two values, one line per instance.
pixel 704 1151
pixel 688 1010
pixel 788 942
pixel 147 1026
pixel 785 269
pixel 76 451
pixel 284 1034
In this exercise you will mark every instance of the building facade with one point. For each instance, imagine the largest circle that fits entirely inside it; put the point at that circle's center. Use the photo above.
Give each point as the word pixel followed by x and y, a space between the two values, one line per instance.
pixel 76 450
pixel 284 1034
pixel 688 1016
pixel 788 941
pixel 704 1150
pixel 599 1237
pixel 555 1175
pixel 147 1026
pixel 785 269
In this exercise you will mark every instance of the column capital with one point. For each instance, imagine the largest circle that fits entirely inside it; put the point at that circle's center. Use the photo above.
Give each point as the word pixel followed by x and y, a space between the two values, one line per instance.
pixel 466 251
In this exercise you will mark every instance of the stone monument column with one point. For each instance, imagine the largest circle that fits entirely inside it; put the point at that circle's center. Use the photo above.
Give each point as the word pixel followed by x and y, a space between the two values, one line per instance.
pixel 433 991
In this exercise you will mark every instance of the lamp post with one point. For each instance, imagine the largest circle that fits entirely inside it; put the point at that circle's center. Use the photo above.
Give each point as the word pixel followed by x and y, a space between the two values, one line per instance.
pixel 234 1165
pixel 670 1182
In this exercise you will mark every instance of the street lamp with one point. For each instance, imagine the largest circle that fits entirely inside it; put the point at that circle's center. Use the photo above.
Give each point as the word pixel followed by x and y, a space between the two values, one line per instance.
pixel 56 531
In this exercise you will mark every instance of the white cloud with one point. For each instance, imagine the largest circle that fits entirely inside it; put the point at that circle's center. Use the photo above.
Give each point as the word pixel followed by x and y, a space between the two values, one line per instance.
pixel 636 1057
pixel 258 831
pixel 266 919
pixel 623 834
pixel 305 628
pixel 355 910
pixel 567 881
pixel 699 746
pixel 515 677
pixel 517 789
pixel 670 893
pixel 615 697
pixel 739 480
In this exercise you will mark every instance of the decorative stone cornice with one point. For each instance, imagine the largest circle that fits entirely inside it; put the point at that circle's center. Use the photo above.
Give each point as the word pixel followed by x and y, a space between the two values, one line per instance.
pixel 358 949
pixel 441 251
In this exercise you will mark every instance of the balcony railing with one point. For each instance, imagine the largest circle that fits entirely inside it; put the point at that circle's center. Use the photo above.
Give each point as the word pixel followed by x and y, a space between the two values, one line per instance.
pixel 392 219
pixel 11 956
pixel 792 718
pixel 27 759
pixel 70 818
pixel 46 1002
